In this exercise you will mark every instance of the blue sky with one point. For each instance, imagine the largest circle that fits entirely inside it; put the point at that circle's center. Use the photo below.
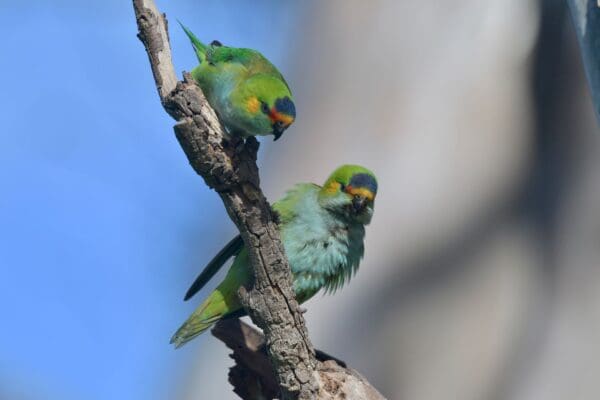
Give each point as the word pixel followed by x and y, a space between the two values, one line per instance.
pixel 102 222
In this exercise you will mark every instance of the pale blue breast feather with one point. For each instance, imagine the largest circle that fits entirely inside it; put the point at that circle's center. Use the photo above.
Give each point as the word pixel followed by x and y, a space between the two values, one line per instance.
pixel 220 95
pixel 324 251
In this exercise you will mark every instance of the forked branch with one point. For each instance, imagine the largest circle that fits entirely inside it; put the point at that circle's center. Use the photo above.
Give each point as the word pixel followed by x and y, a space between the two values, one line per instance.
pixel 230 169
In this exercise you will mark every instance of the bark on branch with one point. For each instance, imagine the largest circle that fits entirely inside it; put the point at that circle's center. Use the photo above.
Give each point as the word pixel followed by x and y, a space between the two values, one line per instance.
pixel 230 169
pixel 252 377
pixel 233 173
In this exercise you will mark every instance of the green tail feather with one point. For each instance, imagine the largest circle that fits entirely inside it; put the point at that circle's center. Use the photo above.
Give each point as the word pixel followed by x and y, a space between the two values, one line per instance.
pixel 199 47
pixel 190 329
pixel 223 302
pixel 210 311
pixel 194 326
pixel 231 249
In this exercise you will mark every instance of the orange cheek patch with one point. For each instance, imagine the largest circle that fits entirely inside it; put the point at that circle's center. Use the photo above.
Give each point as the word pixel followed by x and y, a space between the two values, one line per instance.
pixel 252 105
pixel 360 191
pixel 333 187
pixel 283 118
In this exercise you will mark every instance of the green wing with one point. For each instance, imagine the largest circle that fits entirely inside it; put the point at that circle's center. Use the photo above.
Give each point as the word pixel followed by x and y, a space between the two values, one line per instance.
pixel 231 249
pixel 286 206
pixel 252 60
pixel 219 56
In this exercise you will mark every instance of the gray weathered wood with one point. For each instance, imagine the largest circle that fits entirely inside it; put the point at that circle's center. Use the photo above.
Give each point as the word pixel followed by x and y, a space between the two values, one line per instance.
pixel 252 377
pixel 230 169
pixel 288 366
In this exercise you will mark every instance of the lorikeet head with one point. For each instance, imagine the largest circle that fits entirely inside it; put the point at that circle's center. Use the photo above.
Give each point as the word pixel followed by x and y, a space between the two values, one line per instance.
pixel 278 113
pixel 270 105
pixel 281 114
pixel 350 192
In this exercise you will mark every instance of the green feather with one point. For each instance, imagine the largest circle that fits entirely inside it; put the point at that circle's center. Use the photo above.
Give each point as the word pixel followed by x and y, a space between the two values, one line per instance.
pixel 231 249
pixel 222 302
pixel 199 47
pixel 248 93
pixel 323 242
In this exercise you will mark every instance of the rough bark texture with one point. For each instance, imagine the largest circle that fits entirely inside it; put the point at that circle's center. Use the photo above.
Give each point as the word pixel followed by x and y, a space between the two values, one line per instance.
pixel 252 377
pixel 229 167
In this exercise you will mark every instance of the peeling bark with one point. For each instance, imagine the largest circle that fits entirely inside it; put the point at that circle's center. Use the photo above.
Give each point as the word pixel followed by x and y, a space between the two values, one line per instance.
pixel 252 377
pixel 229 167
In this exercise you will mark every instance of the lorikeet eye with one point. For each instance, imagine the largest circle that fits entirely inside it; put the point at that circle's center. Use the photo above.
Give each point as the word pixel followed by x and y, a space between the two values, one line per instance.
pixel 264 107
pixel 342 187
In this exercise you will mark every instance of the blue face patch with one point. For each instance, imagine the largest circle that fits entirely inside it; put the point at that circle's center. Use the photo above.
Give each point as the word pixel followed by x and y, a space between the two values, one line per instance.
pixel 365 181
pixel 286 106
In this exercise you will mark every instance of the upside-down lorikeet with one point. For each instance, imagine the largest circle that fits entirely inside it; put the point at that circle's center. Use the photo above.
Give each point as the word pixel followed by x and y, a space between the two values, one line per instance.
pixel 247 92
pixel 322 229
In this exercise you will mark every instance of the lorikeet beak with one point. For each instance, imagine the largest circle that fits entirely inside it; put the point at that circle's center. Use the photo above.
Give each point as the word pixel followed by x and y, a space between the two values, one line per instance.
pixel 282 115
pixel 361 196
pixel 278 129
pixel 359 203
pixel 280 123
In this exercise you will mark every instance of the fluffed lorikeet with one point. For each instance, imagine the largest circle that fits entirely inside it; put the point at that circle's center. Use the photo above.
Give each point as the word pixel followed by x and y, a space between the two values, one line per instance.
pixel 247 92
pixel 322 229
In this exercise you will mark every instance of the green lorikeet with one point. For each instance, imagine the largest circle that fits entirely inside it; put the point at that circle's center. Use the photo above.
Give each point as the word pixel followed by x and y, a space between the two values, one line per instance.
pixel 322 229
pixel 246 91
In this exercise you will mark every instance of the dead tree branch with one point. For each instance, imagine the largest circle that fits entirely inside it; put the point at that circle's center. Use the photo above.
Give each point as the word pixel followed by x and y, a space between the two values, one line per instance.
pixel 234 175
pixel 230 169
pixel 252 377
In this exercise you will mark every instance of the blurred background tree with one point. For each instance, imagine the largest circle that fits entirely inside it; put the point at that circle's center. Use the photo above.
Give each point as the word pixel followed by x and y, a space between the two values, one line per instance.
pixel 481 270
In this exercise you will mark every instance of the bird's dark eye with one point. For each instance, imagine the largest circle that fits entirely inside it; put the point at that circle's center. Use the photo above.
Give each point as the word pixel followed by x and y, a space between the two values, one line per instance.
pixel 342 187
pixel 264 107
